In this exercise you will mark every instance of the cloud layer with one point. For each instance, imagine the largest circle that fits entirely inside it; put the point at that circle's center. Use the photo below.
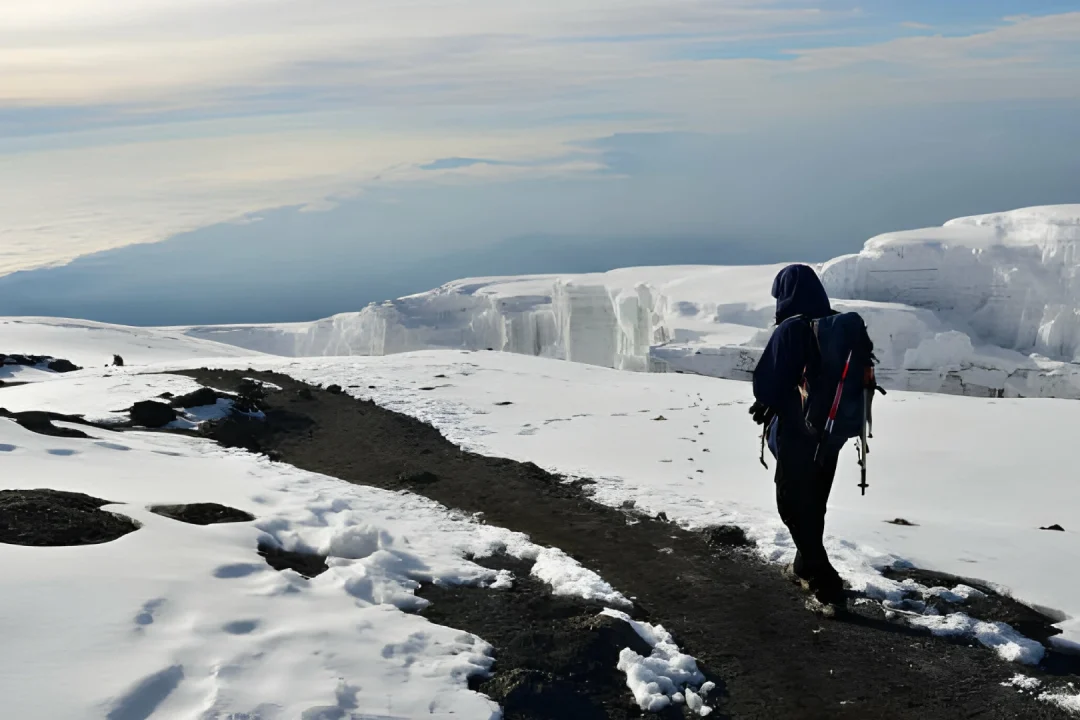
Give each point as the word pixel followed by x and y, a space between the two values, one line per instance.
pixel 130 120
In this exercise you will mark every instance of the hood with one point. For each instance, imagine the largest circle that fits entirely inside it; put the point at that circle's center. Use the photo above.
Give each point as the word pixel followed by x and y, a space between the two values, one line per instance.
pixel 798 291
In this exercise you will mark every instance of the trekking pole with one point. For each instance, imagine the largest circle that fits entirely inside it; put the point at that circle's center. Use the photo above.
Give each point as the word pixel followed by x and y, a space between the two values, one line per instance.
pixel 864 447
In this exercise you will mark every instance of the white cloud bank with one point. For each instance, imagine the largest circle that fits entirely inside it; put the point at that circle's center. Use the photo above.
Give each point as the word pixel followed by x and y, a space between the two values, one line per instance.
pixel 419 81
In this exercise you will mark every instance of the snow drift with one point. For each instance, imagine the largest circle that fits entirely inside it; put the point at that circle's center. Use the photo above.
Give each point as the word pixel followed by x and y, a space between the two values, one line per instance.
pixel 986 306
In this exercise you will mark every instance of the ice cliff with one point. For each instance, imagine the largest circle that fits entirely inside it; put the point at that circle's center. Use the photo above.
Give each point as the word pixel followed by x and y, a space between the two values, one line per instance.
pixel 986 305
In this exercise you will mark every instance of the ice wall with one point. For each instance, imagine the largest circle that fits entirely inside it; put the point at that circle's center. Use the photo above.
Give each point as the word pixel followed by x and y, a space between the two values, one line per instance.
pixel 609 319
pixel 1008 279
pixel 987 305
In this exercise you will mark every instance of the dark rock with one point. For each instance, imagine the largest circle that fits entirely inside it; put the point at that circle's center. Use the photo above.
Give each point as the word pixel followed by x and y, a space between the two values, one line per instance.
pixel 53 518
pixel 42 423
pixel 371 387
pixel 659 418
pixel 166 395
pixel 726 536
pixel 62 366
pixel 307 564
pixel 252 433
pixel 334 389
pixel 901 521
pixel 504 403
pixel 251 396
pixel 57 365
pixel 151 414
pixel 252 388
pixel 1055 526
pixel 418 478
pixel 427 388
pixel 662 516
pixel 117 361
pixel 440 377
pixel 203 513
pixel 199 398
pixel 305 393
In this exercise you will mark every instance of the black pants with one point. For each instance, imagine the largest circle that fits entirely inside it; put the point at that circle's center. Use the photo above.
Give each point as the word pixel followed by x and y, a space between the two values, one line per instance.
pixel 802 494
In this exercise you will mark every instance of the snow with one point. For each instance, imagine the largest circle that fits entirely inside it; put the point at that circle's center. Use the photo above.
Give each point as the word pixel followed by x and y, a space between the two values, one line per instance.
pixel 667 675
pixel 178 620
pixel 1065 701
pixel 1010 645
pixel 1023 682
pixel 982 306
pixel 92 345
pixel 566 577
pixel 24 373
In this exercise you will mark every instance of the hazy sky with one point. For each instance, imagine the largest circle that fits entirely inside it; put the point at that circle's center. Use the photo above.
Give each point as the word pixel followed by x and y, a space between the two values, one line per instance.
pixel 419 128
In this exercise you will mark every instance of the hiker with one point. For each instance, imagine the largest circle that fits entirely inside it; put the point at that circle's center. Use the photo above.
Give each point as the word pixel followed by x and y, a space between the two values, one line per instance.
pixel 787 388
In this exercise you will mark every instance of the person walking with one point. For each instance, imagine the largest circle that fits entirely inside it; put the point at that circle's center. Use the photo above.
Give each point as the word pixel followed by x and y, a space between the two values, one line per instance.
pixel 798 397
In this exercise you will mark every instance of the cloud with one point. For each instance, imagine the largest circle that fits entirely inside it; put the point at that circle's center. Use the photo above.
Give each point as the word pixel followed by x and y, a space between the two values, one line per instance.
pixel 206 111
pixel 916 25
pixel 103 192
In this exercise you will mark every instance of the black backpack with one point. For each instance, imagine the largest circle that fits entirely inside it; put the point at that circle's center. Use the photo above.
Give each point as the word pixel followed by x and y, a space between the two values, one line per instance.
pixel 839 387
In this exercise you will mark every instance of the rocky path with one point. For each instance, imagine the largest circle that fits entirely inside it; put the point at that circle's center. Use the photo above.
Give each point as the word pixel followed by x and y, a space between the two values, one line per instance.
pixel 744 623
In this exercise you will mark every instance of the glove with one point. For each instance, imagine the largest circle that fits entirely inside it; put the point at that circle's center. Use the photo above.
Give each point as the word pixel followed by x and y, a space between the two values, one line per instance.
pixel 761 413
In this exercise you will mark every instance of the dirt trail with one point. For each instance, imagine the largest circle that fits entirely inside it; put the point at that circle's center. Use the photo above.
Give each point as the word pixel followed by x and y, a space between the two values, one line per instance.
pixel 746 625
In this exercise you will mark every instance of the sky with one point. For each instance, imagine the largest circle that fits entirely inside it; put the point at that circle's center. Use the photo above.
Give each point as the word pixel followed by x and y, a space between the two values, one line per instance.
pixel 336 151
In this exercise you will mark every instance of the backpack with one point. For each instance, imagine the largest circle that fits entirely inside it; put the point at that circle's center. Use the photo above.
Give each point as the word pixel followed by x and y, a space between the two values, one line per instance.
pixel 838 388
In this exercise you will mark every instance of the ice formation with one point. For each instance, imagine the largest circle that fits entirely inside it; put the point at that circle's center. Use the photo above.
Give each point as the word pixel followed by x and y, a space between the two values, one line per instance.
pixel 986 305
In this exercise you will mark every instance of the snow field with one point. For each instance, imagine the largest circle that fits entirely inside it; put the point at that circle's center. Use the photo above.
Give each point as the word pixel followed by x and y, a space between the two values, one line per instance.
pixel 177 620
pixel 92 345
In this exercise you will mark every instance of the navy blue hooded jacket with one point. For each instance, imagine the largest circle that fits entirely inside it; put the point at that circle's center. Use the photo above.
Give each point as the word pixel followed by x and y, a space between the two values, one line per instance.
pixel 798 292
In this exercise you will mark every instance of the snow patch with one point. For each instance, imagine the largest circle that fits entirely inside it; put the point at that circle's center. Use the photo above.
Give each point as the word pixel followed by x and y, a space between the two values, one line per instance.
pixel 567 577
pixel 1009 645
pixel 1023 682
pixel 1066 701
pixel 667 676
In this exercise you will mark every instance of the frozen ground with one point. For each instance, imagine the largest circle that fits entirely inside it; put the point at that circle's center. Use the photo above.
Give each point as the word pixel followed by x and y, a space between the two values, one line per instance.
pixel 983 306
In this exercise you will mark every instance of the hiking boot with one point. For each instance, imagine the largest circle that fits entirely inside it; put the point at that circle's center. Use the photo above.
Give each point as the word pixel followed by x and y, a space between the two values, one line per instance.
pixel 831 594
pixel 794 577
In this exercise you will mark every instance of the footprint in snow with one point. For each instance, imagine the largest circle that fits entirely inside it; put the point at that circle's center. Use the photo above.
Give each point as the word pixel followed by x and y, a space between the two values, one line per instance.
pixel 112 446
pixel 238 570
pixel 7 448
pixel 146 614
pixel 61 452
pixel 240 627
pixel 144 697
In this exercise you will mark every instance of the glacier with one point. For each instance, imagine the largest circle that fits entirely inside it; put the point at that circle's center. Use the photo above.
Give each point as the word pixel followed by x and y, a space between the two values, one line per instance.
pixel 986 305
